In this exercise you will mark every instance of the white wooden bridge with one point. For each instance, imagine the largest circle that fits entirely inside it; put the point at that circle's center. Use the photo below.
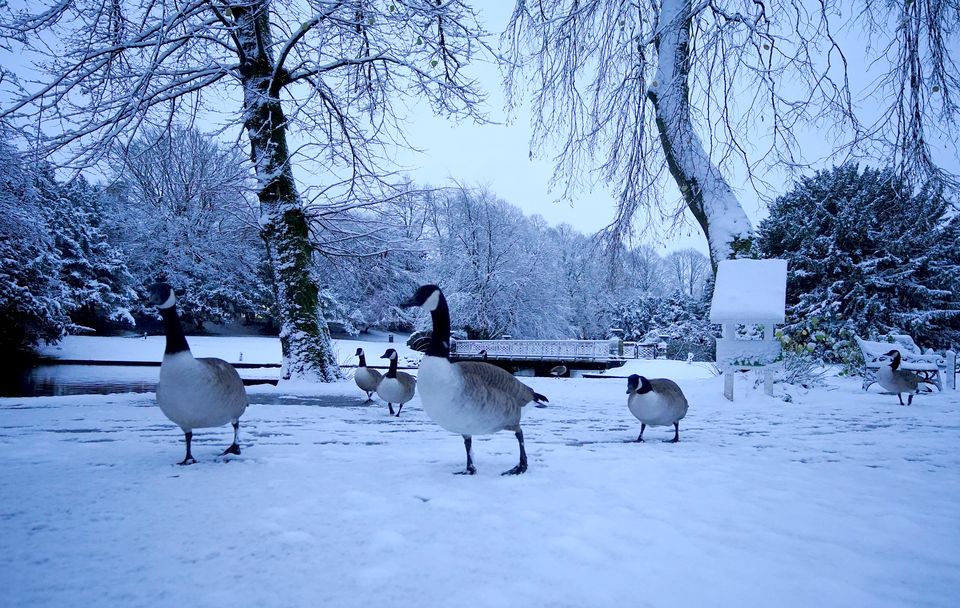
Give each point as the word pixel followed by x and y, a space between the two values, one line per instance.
pixel 539 355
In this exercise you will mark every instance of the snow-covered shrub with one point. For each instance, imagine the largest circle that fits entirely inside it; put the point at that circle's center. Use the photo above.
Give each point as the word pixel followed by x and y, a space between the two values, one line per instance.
pixel 678 319
pixel 866 256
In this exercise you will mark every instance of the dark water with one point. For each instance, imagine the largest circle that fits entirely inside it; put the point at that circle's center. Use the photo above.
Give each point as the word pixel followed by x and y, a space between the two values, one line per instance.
pixel 55 380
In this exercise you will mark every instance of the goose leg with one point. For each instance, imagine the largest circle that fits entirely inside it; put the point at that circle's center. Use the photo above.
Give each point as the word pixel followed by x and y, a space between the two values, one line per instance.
pixel 900 398
pixel 468 445
pixel 399 409
pixel 235 446
pixel 188 459
pixel 909 399
pixel 390 405
pixel 676 433
pixel 643 427
pixel 522 467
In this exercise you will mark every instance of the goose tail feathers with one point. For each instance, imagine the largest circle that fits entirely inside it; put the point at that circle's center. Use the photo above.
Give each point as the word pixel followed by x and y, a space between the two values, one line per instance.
pixel 540 400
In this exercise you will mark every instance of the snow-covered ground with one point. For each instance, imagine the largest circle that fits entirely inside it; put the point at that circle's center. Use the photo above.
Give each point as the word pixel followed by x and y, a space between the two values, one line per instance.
pixel 841 498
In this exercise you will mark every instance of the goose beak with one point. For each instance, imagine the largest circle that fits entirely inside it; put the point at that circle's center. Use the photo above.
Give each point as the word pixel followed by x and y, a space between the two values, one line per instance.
pixel 408 304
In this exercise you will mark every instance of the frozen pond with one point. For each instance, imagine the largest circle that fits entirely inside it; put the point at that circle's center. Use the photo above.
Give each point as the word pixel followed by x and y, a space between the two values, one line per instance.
pixel 68 379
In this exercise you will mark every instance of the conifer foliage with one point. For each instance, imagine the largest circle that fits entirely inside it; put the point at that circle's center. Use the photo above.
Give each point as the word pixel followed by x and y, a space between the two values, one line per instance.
pixel 866 256
pixel 30 286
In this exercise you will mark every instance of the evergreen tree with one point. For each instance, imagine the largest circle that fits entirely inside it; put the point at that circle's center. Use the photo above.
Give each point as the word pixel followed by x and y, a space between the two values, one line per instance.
pixel 866 256
pixel 680 320
pixel 30 288
pixel 99 289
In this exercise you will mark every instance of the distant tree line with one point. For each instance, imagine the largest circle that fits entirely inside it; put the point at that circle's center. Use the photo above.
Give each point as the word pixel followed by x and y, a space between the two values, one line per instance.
pixel 866 255
pixel 77 255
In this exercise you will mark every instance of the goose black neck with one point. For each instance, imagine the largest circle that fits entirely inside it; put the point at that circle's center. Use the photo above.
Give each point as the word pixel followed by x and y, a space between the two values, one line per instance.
pixel 895 363
pixel 363 360
pixel 392 372
pixel 176 341
pixel 440 338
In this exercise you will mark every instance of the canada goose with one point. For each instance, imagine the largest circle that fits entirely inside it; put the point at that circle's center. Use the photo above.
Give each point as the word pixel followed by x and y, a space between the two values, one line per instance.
pixel 195 393
pixel 396 387
pixel 558 370
pixel 367 379
pixel 897 380
pixel 467 397
pixel 657 402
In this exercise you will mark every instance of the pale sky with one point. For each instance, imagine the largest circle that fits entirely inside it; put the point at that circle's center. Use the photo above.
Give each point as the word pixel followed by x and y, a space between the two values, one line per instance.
pixel 497 155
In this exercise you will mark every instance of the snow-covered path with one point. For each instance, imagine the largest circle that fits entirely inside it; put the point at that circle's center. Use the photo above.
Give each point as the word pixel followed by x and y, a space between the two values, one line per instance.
pixel 839 499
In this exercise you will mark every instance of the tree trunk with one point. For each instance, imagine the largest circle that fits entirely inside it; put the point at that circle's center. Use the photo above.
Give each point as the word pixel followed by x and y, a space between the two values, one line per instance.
pixel 304 335
pixel 707 194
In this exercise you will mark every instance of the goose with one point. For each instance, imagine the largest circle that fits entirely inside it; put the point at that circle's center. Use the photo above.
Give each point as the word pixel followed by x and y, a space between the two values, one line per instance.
pixel 468 397
pixel 367 379
pixel 194 393
pixel 657 402
pixel 558 370
pixel 396 387
pixel 897 380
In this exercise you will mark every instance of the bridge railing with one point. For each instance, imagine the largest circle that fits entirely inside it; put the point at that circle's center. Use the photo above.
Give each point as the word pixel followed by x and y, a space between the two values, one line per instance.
pixel 564 350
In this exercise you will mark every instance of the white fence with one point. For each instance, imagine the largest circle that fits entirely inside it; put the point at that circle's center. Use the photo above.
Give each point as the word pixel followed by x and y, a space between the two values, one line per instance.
pixel 533 350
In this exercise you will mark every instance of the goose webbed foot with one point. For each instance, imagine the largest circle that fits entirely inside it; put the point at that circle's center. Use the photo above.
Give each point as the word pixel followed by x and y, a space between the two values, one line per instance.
pixel 470 470
pixel 900 398
pixel 399 409
pixel 517 470
pixel 233 449
pixel 188 460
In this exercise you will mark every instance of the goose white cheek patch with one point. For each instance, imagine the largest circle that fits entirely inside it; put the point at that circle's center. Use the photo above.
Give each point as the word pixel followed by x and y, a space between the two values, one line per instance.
pixel 169 302
pixel 432 302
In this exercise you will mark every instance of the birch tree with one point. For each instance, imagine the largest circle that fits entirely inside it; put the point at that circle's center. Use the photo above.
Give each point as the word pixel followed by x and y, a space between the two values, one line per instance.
pixel 706 89
pixel 301 79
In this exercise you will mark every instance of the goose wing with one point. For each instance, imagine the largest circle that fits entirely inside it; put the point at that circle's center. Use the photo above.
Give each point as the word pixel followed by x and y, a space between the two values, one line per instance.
pixel 488 383
pixel 225 381
pixel 669 389
pixel 408 381
pixel 906 379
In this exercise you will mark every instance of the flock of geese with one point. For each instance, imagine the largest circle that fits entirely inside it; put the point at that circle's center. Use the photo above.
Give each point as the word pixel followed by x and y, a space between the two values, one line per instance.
pixel 465 397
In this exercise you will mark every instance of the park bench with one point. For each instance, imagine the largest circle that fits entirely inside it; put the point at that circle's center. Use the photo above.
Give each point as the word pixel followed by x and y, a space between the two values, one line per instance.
pixel 926 365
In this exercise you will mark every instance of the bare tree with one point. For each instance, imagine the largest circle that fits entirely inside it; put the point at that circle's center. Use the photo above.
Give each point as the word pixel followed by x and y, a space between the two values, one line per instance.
pixel 688 270
pixel 326 73
pixel 183 211
pixel 710 88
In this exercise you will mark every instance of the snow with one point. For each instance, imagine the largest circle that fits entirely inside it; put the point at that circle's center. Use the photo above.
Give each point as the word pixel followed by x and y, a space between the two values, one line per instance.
pixel 840 498
pixel 750 291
